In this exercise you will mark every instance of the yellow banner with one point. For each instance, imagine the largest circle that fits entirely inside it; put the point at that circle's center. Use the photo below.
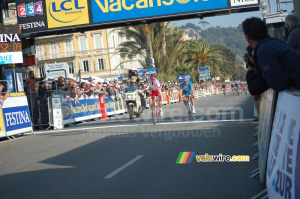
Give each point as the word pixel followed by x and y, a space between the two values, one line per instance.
pixel 2 126
pixel 61 13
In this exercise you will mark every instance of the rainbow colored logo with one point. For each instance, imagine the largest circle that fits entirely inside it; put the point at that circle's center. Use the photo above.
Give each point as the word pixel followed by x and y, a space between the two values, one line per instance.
pixel 185 158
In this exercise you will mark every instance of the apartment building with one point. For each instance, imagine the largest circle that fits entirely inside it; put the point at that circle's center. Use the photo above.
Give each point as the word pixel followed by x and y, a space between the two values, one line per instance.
pixel 93 52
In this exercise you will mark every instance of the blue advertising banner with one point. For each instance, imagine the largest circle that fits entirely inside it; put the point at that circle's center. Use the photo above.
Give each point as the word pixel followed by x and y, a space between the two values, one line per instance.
pixel 86 107
pixel 10 82
pixel 115 10
pixel 148 73
pixel 110 105
pixel 16 118
pixel 182 77
pixel 206 68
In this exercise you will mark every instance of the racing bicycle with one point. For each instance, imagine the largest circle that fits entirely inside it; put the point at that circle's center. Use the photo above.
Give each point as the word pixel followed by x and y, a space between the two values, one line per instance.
pixel 155 111
pixel 189 107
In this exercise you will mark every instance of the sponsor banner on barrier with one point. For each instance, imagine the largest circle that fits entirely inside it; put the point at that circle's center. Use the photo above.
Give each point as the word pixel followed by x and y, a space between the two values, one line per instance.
pixel 283 169
pixel 86 109
pixel 2 126
pixel 264 130
pixel 16 115
pixel 110 106
pixel 16 118
pixel 57 113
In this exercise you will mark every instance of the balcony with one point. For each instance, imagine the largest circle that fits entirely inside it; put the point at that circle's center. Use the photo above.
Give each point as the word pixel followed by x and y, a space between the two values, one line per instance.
pixel 55 56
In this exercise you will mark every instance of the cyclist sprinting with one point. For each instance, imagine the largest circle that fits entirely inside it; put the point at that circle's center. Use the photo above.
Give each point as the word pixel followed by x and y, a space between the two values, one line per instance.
pixel 186 89
pixel 155 90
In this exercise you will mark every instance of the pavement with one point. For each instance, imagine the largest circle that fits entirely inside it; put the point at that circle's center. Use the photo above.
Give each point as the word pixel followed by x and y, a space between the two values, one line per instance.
pixel 123 158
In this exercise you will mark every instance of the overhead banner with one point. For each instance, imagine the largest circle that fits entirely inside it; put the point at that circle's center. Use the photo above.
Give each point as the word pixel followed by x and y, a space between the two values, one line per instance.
pixel 107 10
pixel 242 2
pixel 31 15
pixel 36 16
pixel 283 169
pixel 62 13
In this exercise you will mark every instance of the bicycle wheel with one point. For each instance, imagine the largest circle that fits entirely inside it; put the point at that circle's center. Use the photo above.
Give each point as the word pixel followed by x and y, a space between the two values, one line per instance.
pixel 190 112
pixel 157 113
pixel 153 115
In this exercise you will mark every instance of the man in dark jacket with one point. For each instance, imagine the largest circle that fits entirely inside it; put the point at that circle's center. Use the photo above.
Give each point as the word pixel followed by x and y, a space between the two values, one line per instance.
pixel 256 82
pixel 279 63
pixel 291 34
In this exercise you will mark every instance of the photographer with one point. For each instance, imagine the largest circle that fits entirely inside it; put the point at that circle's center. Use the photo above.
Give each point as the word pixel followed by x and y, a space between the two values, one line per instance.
pixel 256 82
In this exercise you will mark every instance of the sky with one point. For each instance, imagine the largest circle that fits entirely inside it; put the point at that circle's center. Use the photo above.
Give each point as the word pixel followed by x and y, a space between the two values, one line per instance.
pixel 233 19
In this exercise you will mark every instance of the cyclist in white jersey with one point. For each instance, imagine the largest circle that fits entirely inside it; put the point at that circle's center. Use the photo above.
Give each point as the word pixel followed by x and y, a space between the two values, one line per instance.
pixel 155 90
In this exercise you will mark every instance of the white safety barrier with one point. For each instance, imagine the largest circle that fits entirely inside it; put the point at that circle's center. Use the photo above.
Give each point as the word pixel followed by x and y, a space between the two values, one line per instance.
pixel 283 169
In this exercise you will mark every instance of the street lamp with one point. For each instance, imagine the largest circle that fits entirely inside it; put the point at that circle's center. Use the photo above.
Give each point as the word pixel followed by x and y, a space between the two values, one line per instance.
pixel 264 12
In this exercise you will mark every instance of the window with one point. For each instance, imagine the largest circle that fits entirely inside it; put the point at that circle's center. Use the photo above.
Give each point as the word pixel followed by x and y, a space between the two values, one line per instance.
pixel 98 41
pixel 72 67
pixel 82 40
pixel 85 66
pixel 6 14
pixel 100 64
pixel 53 50
pixel 39 51
pixel 39 71
pixel 69 48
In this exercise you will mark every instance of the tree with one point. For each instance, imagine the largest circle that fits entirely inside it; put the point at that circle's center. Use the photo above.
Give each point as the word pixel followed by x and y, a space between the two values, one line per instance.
pixel 199 53
pixel 203 24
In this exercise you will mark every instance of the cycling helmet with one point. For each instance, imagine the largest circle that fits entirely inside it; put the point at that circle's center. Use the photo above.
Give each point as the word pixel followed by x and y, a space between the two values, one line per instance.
pixel 133 80
pixel 153 75
pixel 186 80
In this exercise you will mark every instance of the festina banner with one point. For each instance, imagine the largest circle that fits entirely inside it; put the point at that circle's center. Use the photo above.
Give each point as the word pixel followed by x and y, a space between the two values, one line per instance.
pixel 283 169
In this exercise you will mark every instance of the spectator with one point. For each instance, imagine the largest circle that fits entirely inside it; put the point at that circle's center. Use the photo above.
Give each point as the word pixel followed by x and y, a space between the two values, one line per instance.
pixel 43 104
pixel 256 83
pixel 30 88
pixel 279 63
pixel 291 33
pixel 6 94
pixel 108 90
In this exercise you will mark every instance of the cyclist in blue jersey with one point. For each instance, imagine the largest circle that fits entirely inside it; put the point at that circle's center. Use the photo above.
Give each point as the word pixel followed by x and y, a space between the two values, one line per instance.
pixel 186 89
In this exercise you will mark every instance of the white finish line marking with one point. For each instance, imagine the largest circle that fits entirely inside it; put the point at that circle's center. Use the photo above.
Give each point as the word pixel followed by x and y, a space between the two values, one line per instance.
pixel 115 172
pixel 144 124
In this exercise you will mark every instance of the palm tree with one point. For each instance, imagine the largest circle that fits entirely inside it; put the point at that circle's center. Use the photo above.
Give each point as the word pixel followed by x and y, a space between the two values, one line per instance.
pixel 139 41
pixel 175 50
pixel 199 53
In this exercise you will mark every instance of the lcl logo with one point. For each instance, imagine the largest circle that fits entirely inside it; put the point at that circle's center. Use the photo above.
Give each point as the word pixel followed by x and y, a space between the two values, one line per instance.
pixel 66 11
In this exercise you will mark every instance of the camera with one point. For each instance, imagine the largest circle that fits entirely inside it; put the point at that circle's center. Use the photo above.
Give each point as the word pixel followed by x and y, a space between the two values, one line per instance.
pixel 286 31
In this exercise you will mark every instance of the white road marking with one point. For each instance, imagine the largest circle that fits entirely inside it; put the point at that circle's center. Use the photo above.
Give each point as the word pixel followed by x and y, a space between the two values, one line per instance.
pixel 145 124
pixel 115 172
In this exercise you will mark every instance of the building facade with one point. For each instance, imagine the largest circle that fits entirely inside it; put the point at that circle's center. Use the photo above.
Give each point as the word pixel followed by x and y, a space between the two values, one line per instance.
pixel 93 52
